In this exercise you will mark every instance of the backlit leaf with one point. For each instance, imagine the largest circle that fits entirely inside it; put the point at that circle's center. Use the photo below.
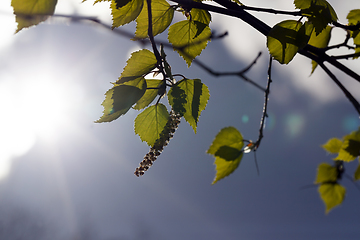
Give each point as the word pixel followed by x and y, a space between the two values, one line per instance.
pixel 149 95
pixel 357 173
pixel 354 18
pixel 333 145
pixel 151 122
pixel 326 174
pixel 162 15
pixel 201 15
pixel 127 13
pixel 139 64
pixel 189 38
pixel 320 41
pixel 121 98
pixel 350 149
pixel 319 12
pixel 32 12
pixel 332 194
pixel 226 148
pixel 121 3
pixel 285 39
pixel 189 97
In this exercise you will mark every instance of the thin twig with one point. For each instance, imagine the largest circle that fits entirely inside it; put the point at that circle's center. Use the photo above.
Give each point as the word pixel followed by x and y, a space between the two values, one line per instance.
pixel 347 56
pixel 152 40
pixel 354 102
pixel 239 73
pixel 347 27
pixel 264 115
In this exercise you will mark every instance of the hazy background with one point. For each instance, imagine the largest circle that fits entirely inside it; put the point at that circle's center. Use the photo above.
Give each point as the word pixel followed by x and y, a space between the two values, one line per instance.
pixel 65 177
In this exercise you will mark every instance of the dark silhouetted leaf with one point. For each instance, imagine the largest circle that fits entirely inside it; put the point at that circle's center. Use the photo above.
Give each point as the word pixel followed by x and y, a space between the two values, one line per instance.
pixel 319 12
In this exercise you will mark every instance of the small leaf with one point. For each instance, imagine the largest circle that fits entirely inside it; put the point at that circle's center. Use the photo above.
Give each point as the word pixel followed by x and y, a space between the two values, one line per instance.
pixel 332 194
pixel 228 153
pixel 189 97
pixel 319 12
pixel 127 13
pixel 350 148
pixel 320 41
pixel 333 145
pixel 32 12
pixel 149 95
pixel 120 99
pixel 139 64
pixel 151 122
pixel 354 19
pixel 162 15
pixel 226 148
pixel 189 38
pixel 357 173
pixel 285 39
pixel 326 174
pixel 225 168
pixel 201 15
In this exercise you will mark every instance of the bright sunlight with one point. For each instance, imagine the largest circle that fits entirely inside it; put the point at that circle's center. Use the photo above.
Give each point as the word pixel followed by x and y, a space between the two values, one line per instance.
pixel 34 106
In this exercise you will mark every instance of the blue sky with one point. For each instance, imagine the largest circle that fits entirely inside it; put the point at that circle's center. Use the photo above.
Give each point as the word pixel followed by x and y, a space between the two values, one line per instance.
pixel 75 177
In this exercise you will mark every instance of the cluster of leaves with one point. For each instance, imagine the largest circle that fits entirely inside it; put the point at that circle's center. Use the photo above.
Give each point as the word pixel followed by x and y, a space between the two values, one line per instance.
pixel 287 37
pixel 328 176
pixel 137 89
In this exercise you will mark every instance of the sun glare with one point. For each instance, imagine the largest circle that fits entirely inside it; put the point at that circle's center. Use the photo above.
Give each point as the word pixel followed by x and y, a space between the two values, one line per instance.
pixel 33 107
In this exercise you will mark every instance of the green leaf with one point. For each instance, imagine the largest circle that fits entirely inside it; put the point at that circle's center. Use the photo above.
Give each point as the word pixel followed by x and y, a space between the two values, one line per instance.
pixel 162 15
pixel 285 39
pixel 120 3
pixel 326 174
pixel 201 15
pixel 151 122
pixel 32 12
pixel 139 64
pixel 189 97
pixel 354 18
pixel 332 194
pixel 357 173
pixel 189 38
pixel 319 12
pixel 320 41
pixel 149 95
pixel 120 99
pixel 333 145
pixel 350 149
pixel 127 13
pixel 226 149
